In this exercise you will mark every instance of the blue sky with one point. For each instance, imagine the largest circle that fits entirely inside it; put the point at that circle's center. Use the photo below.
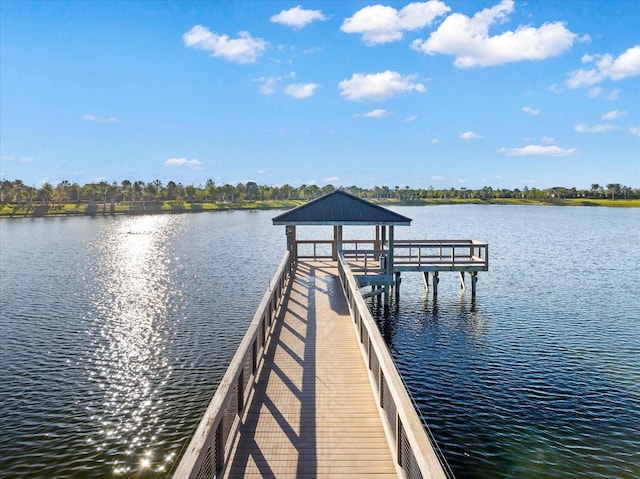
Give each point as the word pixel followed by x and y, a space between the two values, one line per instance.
pixel 443 94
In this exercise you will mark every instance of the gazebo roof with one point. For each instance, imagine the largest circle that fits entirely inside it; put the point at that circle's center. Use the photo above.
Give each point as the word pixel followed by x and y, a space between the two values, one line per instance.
pixel 340 208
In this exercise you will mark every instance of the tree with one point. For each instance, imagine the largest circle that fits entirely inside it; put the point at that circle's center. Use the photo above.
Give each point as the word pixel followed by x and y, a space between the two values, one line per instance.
pixel 287 191
pixel 313 191
pixel 251 190
pixel 171 190
pixel 17 191
pixel 613 190
pixel 60 195
pixel 46 192
pixel 210 187
pixel 151 190
pixel 74 192
pixel 127 190
pixel 326 189
pixel 190 191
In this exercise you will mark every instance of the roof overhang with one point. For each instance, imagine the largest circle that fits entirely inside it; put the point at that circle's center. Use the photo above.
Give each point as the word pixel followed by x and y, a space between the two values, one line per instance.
pixel 341 209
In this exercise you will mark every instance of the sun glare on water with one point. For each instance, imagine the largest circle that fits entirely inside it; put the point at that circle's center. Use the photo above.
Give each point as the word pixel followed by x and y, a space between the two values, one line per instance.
pixel 132 294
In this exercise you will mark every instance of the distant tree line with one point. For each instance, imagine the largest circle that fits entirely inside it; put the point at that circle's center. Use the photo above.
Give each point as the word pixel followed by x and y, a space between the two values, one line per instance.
pixel 17 193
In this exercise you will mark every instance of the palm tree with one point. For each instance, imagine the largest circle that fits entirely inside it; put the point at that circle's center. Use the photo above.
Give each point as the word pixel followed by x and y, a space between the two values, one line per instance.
pixel 61 193
pixel 138 186
pixel 126 189
pixel 614 189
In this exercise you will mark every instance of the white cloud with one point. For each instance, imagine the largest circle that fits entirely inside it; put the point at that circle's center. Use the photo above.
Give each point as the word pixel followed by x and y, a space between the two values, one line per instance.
pixel 614 94
pixel 582 128
pixel 381 24
pixel 297 17
pixel 594 92
pixel 548 140
pixel 435 141
pixel 299 90
pixel 634 130
pixel 184 163
pixel 469 40
pixel 530 111
pixel 244 49
pixel 469 135
pixel 606 67
pixel 410 118
pixel 613 115
pixel 555 89
pixel 379 113
pixel 538 150
pixel 268 86
pixel 331 179
pixel 110 119
pixel 378 86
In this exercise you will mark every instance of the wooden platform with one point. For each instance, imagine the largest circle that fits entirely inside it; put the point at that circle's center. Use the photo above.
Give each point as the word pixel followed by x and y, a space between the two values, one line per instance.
pixel 312 413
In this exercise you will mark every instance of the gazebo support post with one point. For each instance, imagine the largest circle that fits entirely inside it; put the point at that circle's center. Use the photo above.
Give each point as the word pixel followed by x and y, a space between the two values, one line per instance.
pixel 292 245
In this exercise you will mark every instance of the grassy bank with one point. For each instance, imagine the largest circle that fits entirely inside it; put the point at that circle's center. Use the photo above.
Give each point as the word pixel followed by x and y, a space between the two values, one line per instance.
pixel 131 208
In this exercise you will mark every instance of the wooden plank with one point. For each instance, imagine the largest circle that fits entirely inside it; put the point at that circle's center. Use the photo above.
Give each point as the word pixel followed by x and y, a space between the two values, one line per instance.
pixel 313 412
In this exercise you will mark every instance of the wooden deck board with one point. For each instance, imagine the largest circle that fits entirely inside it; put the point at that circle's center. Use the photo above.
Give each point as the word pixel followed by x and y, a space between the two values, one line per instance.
pixel 313 413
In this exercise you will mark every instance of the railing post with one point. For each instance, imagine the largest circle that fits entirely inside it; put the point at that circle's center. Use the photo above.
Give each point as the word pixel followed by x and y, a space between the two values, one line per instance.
pixel 254 357
pixel 219 449
pixel 399 440
pixel 241 391
pixel 486 257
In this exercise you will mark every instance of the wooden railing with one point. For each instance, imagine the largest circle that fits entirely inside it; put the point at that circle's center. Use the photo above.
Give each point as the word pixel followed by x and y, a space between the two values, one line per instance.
pixel 208 450
pixel 324 249
pixel 454 254
pixel 410 446
pixel 422 255
pixel 314 249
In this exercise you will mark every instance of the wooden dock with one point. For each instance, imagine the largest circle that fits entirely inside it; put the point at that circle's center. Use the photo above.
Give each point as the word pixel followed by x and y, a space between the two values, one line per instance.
pixel 311 392
pixel 312 413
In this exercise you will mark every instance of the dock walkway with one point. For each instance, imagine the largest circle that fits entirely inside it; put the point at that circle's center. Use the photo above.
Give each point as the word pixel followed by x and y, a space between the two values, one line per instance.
pixel 311 391
pixel 312 412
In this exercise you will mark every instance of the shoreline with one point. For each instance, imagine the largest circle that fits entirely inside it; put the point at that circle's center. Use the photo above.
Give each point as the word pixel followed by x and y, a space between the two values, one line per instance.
pixel 180 207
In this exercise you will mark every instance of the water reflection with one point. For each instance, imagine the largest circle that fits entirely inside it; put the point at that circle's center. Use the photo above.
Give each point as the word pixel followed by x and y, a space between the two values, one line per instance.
pixel 131 299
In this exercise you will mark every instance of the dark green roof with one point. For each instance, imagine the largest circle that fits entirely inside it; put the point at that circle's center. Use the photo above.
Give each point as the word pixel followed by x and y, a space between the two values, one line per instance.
pixel 340 208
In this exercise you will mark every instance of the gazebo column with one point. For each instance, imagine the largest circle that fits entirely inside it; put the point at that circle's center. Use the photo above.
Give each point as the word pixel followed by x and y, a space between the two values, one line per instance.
pixel 337 242
pixel 389 265
pixel 292 245
pixel 390 259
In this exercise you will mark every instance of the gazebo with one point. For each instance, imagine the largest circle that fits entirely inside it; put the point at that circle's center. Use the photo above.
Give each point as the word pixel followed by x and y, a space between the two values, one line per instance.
pixel 339 209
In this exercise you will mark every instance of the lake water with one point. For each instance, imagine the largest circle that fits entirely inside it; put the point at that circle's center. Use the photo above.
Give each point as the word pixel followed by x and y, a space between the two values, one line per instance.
pixel 115 332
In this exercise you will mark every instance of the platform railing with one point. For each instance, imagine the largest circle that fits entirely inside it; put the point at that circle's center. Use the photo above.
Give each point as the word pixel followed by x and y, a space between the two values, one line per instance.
pixel 410 446
pixel 318 250
pixel 315 250
pixel 209 448
pixel 442 252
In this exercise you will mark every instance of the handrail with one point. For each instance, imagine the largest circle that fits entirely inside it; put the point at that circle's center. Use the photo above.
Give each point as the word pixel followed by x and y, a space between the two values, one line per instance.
pixel 315 255
pixel 208 449
pixel 450 253
pixel 411 448
pixel 314 244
